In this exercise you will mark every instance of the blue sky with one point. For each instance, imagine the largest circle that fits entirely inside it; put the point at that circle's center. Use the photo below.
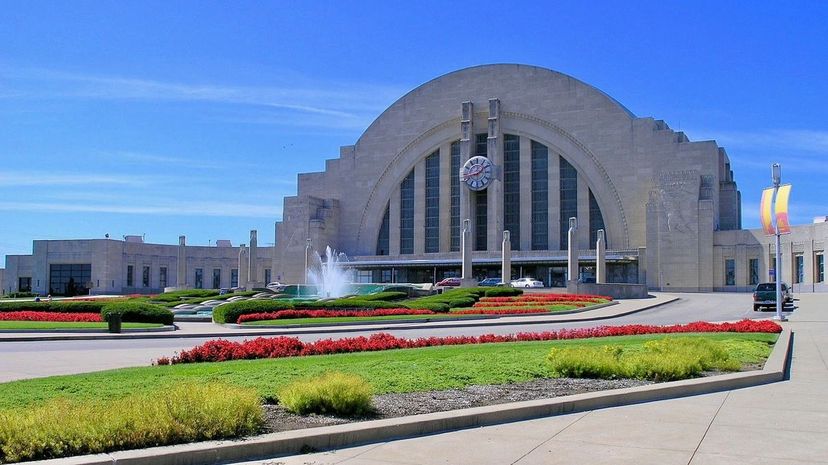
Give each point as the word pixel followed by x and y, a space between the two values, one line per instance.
pixel 168 118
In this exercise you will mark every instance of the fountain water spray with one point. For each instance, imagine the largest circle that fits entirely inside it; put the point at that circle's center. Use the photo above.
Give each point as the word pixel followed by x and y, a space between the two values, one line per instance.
pixel 329 277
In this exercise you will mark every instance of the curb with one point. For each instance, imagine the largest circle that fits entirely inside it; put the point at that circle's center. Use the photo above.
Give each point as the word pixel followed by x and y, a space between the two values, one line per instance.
pixel 354 434
pixel 96 331
pixel 332 329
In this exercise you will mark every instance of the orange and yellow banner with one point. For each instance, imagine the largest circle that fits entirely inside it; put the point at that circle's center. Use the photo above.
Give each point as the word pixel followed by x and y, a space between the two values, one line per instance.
pixel 765 211
pixel 782 224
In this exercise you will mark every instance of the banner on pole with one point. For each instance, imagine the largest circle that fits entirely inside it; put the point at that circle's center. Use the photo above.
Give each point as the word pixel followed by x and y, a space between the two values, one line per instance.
pixel 782 224
pixel 765 211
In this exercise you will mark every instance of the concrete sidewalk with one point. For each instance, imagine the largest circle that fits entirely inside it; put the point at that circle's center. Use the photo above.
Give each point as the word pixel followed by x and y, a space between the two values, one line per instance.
pixel 780 423
pixel 192 329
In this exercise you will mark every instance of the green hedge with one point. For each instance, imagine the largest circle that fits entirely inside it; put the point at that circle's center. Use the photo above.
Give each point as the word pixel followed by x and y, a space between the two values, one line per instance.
pixel 433 306
pixel 19 295
pixel 54 306
pixel 387 296
pixel 503 292
pixel 349 303
pixel 464 297
pixel 230 312
pixel 176 296
pixel 138 312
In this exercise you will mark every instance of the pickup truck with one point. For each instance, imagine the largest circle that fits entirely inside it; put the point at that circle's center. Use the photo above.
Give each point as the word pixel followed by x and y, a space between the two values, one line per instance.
pixel 765 295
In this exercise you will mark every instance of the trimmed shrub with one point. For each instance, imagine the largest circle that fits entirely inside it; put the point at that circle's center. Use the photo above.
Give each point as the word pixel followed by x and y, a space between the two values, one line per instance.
pixel 175 296
pixel 230 312
pixel 178 414
pixel 56 306
pixel 335 393
pixel 433 306
pixel 349 303
pixel 138 312
pixel 19 295
pixel 503 292
pixel 388 296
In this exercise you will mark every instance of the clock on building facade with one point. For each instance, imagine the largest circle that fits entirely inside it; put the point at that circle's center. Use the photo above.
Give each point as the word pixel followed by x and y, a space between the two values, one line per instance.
pixel 477 173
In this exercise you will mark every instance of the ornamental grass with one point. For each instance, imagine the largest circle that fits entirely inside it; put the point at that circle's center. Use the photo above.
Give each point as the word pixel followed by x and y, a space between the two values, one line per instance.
pixel 335 393
pixel 182 413
pixel 659 360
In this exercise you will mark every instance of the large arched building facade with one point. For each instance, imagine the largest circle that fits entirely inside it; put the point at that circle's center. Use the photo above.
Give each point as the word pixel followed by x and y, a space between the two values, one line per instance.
pixel 395 203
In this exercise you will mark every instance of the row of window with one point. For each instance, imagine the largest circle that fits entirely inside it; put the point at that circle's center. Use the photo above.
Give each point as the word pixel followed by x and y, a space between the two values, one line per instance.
pixel 798 269
pixel 540 214
pixel 198 277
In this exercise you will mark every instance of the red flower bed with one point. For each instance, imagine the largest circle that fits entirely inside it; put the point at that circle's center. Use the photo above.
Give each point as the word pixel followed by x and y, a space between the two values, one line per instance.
pixel 50 316
pixel 547 298
pixel 277 347
pixel 290 314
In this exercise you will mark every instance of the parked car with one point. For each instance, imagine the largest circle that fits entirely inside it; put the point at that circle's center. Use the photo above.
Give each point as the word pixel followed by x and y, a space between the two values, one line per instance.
pixel 527 282
pixel 765 295
pixel 449 282
pixel 489 282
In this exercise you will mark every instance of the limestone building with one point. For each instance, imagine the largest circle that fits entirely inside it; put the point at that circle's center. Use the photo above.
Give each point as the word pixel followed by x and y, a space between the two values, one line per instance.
pixel 552 148
pixel 506 147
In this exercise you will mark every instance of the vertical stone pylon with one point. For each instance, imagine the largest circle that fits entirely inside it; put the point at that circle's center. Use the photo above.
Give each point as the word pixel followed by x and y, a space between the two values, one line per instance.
pixel 466 279
pixel 600 258
pixel 572 250
pixel 181 267
pixel 244 263
pixel 506 265
pixel 252 271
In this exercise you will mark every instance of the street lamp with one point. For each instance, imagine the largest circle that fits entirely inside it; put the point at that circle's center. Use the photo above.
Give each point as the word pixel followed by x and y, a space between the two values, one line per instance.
pixel 776 175
pixel 307 257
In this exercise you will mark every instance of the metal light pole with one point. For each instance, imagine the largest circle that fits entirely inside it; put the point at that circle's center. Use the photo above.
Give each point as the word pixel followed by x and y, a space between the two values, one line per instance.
pixel 776 173
pixel 307 257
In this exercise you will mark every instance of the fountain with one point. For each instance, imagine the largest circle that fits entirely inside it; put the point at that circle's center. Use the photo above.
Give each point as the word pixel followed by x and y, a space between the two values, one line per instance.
pixel 329 277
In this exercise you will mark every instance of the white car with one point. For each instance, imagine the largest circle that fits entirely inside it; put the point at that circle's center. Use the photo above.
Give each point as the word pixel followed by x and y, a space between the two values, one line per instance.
pixel 526 282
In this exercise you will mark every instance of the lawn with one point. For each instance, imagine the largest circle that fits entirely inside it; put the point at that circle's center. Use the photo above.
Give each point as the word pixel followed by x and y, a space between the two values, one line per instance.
pixel 406 370
pixel 351 319
pixel 45 325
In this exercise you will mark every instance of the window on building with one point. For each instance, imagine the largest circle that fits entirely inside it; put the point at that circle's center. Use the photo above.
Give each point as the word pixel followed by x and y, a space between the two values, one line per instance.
pixel 162 277
pixel 407 214
pixel 268 275
pixel 481 217
pixel 481 146
pixel 24 284
pixel 384 231
pixel 234 277
pixel 70 279
pixel 511 187
pixel 596 221
pixel 130 275
pixel 455 196
pixel 799 268
pixel 432 203
pixel 216 278
pixel 199 278
pixel 569 198
pixel 540 196
pixel 753 271
pixel 730 272
pixel 145 276
pixel 819 261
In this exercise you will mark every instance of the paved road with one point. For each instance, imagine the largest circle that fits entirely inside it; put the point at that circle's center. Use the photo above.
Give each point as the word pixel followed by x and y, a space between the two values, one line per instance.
pixel 20 360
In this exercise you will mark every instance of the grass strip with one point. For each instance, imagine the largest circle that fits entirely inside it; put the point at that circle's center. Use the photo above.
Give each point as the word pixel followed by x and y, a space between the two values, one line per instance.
pixel 406 370
pixel 69 325
pixel 349 319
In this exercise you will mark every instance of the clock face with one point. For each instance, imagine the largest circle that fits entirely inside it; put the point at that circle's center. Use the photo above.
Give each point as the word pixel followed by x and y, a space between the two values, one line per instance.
pixel 477 173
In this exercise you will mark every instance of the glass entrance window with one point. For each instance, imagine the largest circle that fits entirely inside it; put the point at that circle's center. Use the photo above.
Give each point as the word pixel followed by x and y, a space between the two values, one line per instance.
pixel 799 268
pixel 234 277
pixel 145 276
pixel 730 272
pixel 753 271
pixel 24 284
pixel 216 278
pixel 162 277
pixel 199 278
pixel 820 267
pixel 70 279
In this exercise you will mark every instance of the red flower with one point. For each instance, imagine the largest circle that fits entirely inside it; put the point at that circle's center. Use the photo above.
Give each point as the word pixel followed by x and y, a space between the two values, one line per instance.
pixel 27 315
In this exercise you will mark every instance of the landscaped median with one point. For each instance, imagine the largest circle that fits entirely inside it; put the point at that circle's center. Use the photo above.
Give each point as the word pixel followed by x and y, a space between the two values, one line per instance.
pixel 453 304
pixel 88 315
pixel 336 375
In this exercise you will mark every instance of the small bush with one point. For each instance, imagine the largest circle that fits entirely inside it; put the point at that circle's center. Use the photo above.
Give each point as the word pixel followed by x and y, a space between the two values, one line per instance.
pixel 503 292
pixel 230 312
pixel 138 312
pixel 659 360
pixel 183 413
pixel 333 393
pixel 349 303
pixel 175 296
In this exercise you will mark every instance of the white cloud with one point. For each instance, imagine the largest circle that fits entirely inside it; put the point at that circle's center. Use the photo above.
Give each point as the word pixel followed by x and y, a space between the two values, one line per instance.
pixel 23 178
pixel 218 209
